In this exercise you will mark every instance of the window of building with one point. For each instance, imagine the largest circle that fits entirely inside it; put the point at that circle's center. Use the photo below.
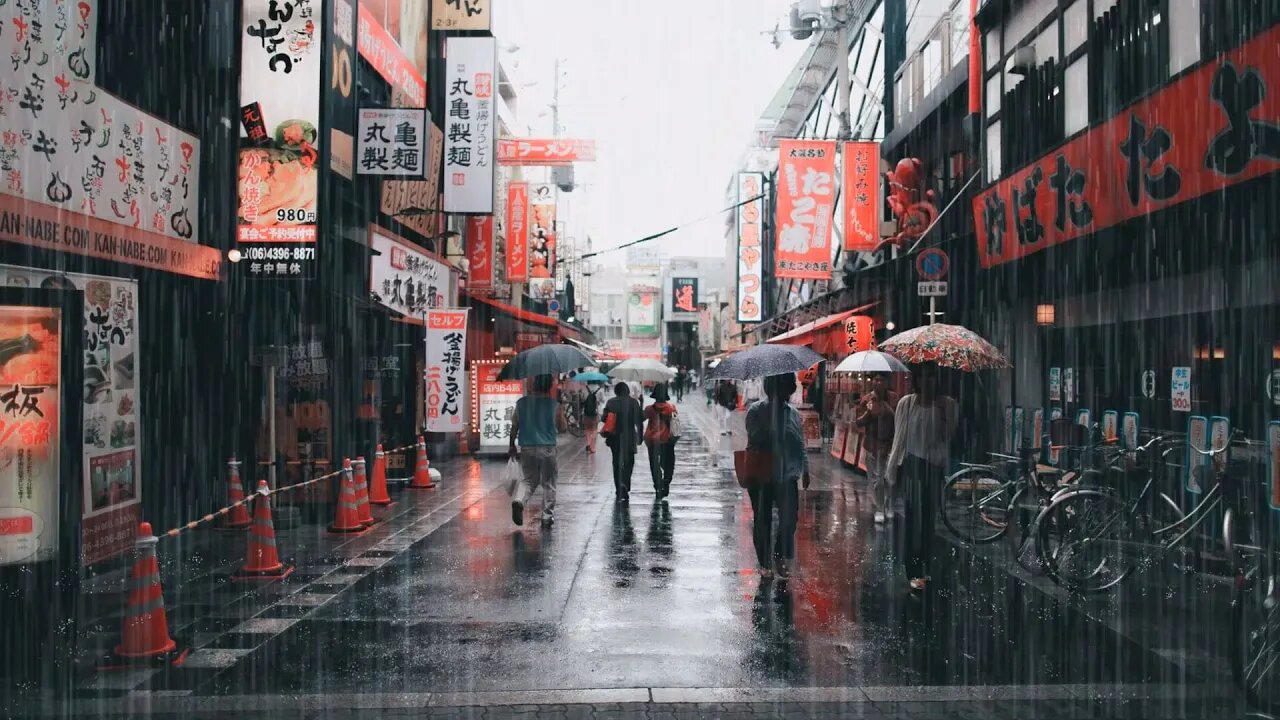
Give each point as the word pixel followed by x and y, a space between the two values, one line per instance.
pixel 1128 56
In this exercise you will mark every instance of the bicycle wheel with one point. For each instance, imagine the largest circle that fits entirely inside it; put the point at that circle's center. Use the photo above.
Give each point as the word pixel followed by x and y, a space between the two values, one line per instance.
pixel 1255 639
pixel 1086 541
pixel 1240 537
pixel 977 505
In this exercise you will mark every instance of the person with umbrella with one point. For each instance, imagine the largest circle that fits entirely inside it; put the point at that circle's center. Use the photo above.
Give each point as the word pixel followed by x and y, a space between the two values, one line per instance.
pixel 660 441
pixel 537 420
pixel 623 431
pixel 875 417
pixel 773 427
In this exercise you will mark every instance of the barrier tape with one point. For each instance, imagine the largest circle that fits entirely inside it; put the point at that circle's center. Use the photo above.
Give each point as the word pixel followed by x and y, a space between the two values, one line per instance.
pixel 248 498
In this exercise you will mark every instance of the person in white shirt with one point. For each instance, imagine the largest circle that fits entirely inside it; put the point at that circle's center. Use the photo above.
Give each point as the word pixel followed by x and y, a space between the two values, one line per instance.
pixel 924 424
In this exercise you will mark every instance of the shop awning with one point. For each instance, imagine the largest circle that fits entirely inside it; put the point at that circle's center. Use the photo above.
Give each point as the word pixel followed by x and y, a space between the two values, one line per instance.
pixel 599 352
pixel 807 333
pixel 517 312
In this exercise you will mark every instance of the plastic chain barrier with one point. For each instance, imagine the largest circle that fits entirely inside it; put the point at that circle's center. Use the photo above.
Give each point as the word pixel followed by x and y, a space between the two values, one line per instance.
pixel 248 499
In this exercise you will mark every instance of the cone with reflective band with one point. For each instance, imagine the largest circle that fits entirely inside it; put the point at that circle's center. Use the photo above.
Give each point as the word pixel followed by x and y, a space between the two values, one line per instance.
pixel 346 519
pixel 362 494
pixel 238 517
pixel 378 482
pixel 421 475
pixel 263 560
pixel 145 631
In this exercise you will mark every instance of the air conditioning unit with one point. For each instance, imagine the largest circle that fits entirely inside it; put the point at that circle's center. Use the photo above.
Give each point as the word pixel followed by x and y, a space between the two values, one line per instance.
pixel 562 176
pixel 806 16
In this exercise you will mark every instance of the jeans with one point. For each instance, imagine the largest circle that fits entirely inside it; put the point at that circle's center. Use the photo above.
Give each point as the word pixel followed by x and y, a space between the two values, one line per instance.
pixel 662 464
pixel 540 468
pixel 876 462
pixel 785 497
pixel 922 483
pixel 624 462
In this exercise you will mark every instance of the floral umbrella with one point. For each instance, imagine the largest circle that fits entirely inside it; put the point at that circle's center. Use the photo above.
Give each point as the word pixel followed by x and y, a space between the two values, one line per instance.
pixel 949 346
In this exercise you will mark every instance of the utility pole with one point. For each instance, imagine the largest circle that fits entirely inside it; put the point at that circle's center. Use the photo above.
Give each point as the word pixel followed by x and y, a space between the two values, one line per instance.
pixel 842 72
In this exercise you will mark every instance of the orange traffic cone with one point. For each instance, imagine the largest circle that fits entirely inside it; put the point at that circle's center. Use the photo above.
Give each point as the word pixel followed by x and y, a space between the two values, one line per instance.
pixel 346 520
pixel 145 631
pixel 238 517
pixel 263 560
pixel 362 494
pixel 378 484
pixel 421 469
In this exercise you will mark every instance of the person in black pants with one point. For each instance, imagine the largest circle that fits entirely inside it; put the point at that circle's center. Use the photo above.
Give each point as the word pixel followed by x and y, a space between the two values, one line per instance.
pixel 773 426
pixel 660 441
pixel 624 429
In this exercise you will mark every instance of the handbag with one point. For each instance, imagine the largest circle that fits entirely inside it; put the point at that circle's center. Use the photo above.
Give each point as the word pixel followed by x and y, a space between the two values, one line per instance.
pixel 674 425
pixel 511 475
pixel 752 467
pixel 610 423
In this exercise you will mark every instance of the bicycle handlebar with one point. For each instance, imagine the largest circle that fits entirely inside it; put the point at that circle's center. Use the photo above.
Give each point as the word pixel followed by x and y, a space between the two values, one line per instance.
pixel 1235 433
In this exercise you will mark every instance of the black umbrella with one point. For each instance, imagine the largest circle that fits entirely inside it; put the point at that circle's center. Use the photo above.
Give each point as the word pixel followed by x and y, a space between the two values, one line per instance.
pixel 764 360
pixel 545 360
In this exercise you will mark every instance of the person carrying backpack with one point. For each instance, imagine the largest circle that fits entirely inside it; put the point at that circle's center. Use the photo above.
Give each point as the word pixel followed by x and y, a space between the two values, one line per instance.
pixel 623 429
pixel 662 429
pixel 591 417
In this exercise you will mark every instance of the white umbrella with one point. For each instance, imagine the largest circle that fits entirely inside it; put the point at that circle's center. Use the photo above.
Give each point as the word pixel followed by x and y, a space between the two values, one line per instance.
pixel 871 361
pixel 642 370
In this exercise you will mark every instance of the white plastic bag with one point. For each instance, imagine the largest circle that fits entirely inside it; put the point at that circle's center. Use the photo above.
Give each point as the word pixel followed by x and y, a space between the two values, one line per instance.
pixel 511 475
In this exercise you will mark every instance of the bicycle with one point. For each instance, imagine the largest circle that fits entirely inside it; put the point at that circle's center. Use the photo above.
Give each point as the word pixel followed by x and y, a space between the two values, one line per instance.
pixel 573 417
pixel 1090 539
pixel 1255 632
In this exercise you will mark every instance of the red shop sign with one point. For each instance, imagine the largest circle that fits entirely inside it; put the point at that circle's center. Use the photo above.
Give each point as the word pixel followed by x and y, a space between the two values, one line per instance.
pixel 806 200
pixel 480 251
pixel 1214 127
pixel 528 151
pixel 517 232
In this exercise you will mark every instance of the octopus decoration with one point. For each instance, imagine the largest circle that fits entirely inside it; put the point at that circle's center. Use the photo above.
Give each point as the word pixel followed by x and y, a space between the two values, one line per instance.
pixel 911 202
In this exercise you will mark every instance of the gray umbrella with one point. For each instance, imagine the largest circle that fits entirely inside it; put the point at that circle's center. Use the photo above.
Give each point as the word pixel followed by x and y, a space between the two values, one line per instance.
pixel 764 360
pixel 545 360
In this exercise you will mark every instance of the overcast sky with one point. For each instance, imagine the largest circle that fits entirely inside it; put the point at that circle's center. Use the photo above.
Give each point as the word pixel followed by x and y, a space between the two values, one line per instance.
pixel 669 89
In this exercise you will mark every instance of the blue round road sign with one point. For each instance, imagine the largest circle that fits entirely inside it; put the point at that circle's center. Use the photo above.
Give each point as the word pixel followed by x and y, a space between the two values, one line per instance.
pixel 932 264
pixel 553 305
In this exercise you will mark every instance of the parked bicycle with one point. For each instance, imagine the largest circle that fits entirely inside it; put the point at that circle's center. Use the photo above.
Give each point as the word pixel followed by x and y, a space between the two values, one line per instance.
pixel 1255 632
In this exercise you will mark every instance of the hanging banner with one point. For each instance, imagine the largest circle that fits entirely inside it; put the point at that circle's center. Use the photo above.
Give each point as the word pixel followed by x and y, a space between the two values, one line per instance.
pixel 469 124
pixel 750 296
pixel 446 358
pixel 806 202
pixel 517 232
pixel 31 443
pixel 495 404
pixel 392 142
pixel 542 241
pixel 861 193
pixel 280 93
pixel 684 295
pixel 461 15
pixel 558 151
pixel 393 40
pixel 480 252
pixel 407 278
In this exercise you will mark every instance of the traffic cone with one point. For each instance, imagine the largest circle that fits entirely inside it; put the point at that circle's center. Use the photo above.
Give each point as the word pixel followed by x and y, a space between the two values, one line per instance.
pixel 238 517
pixel 144 634
pixel 346 519
pixel 378 484
pixel 362 494
pixel 263 560
pixel 421 473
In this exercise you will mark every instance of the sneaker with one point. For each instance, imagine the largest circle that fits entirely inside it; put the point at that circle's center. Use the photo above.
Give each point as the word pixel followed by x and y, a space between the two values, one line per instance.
pixel 517 512
pixel 879 517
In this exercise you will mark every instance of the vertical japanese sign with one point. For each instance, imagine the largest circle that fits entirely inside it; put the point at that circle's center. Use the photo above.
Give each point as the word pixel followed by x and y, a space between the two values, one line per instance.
pixel 496 404
pixel 1068 385
pixel 1129 430
pixel 461 15
pixel 750 300
pixel 280 91
pixel 480 252
pixel 1037 427
pixel 806 202
pixel 1273 462
pixel 392 141
pixel 340 114
pixel 30 437
pixel 861 195
pixel 684 295
pixel 470 133
pixel 542 241
pixel 1055 384
pixel 1180 389
pixel 517 232
pixel 446 358
pixel 1110 425
pixel 1196 462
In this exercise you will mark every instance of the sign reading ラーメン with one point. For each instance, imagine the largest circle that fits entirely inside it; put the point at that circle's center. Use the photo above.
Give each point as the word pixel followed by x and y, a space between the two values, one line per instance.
pixel 446 358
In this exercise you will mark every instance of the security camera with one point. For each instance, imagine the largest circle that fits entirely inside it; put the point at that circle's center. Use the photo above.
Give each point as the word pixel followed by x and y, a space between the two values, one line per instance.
pixel 806 16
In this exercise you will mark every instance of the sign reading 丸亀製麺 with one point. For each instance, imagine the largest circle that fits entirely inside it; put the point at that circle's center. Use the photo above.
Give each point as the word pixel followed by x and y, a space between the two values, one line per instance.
pixel 554 151
pixel 480 252
pixel 1210 128
pixel 446 348
pixel 861 196
pixel 495 404
pixel 470 130
pixel 750 295
pixel 406 278
pixel 392 142
pixel 278 178
pixel 806 201
pixel 461 14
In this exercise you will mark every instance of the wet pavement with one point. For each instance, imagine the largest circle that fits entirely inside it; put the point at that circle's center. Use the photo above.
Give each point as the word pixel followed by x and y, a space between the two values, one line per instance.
pixel 449 604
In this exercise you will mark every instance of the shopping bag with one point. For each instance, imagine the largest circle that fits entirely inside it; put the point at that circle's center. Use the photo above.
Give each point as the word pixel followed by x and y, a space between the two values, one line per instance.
pixel 752 467
pixel 675 427
pixel 512 475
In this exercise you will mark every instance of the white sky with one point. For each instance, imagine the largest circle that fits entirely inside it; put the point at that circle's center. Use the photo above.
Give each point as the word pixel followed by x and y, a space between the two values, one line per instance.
pixel 669 89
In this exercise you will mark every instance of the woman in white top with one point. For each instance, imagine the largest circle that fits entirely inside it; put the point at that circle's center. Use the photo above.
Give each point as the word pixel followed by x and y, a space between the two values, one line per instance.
pixel 923 426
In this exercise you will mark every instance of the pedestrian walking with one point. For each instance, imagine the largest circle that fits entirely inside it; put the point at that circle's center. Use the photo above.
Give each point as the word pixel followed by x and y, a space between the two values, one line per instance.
pixel 591 417
pixel 660 440
pixel 623 431
pixel 536 422
pixel 773 427
pixel 924 423
pixel 726 403
pixel 875 417
pixel 681 378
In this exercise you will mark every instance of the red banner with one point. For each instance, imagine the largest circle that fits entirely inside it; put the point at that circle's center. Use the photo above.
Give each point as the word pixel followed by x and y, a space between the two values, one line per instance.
pixel 1212 128
pixel 384 55
pixel 527 151
pixel 480 251
pixel 517 232
pixel 861 194
pixel 806 201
